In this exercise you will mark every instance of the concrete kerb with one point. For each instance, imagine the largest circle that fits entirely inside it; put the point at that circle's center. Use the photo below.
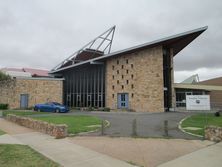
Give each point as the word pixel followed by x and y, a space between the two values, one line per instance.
pixel 107 124
pixel 180 127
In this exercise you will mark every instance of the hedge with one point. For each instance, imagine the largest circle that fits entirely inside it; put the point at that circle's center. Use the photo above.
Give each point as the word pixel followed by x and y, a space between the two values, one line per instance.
pixel 3 106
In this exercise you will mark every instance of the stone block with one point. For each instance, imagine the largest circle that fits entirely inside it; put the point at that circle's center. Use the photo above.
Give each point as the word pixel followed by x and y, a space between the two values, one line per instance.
pixel 213 133
pixel 58 131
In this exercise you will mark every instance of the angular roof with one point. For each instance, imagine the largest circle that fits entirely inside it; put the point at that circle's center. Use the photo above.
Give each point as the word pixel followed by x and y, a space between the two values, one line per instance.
pixel 12 69
pixel 177 42
pixel 37 72
pixel 192 79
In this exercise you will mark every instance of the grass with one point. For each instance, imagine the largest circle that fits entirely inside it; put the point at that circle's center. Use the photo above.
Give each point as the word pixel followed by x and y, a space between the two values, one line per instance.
pixel 1 132
pixel 22 156
pixel 76 123
pixel 23 113
pixel 200 121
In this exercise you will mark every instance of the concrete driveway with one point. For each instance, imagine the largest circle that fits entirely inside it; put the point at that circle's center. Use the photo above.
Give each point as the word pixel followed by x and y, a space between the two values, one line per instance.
pixel 148 124
pixel 142 152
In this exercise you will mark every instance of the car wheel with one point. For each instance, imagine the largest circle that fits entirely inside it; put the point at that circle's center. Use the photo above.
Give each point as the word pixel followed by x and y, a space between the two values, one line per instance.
pixel 57 110
pixel 38 110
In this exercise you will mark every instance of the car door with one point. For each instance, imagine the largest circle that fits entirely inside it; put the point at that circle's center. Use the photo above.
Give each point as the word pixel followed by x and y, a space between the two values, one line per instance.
pixel 46 107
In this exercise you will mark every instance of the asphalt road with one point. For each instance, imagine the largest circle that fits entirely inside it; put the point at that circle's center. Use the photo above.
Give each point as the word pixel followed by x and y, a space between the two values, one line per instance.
pixel 147 124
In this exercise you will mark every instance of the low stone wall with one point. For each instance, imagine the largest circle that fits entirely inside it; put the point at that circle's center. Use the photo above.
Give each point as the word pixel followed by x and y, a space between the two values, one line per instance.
pixel 213 133
pixel 58 131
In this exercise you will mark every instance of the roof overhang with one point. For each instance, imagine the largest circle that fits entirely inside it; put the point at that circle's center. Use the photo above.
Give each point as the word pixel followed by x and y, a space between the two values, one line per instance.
pixel 177 42
pixel 197 87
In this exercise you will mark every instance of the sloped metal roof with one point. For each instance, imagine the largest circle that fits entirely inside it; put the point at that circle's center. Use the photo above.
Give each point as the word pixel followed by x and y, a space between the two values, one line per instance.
pixel 197 86
pixel 177 42
pixel 192 79
pixel 26 72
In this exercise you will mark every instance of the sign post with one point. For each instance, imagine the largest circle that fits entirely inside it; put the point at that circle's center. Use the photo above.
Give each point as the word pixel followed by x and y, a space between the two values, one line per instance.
pixel 197 102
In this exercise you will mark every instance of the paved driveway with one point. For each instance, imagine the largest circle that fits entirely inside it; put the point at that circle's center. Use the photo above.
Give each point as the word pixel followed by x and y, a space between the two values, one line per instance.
pixel 148 124
pixel 143 152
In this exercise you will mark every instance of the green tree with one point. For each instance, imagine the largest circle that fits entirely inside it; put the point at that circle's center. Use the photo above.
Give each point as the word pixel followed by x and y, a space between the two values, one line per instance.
pixel 3 76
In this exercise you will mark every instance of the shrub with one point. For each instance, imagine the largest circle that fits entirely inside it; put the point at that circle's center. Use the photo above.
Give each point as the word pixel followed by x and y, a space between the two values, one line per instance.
pixel 3 106
pixel 217 114
pixel 75 108
pixel 3 76
pixel 106 109
pixel 30 108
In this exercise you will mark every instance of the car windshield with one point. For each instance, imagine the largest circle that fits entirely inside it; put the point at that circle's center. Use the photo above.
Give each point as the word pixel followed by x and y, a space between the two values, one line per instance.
pixel 55 103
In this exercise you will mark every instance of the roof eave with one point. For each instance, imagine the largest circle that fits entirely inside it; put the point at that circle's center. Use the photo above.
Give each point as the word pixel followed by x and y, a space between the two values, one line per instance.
pixel 140 47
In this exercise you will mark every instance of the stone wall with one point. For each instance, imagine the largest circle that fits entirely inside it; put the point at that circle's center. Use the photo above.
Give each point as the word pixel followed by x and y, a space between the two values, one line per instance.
pixel 39 90
pixel 213 133
pixel 139 74
pixel 7 91
pixel 58 131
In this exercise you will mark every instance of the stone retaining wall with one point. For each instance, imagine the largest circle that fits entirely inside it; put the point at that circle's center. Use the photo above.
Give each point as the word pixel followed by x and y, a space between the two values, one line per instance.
pixel 213 133
pixel 58 131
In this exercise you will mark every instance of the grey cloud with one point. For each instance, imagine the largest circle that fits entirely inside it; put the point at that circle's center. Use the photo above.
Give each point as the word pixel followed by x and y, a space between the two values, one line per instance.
pixel 41 33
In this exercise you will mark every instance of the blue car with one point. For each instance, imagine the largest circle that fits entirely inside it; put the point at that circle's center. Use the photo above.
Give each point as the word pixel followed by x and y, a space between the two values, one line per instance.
pixel 51 107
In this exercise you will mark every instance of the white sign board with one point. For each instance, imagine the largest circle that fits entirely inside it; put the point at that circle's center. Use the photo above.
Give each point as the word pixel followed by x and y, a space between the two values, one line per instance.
pixel 197 102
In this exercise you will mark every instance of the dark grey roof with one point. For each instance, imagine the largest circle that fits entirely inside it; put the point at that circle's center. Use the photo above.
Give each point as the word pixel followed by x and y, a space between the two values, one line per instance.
pixel 177 42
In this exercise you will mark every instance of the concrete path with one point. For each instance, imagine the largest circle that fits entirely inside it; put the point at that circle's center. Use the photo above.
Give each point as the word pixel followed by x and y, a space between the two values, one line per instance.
pixel 7 139
pixel 66 153
pixel 147 152
pixel 61 151
pixel 207 157
pixel 12 128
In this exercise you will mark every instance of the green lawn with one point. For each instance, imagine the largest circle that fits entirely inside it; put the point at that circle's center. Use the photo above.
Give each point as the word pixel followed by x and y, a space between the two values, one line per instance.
pixel 76 123
pixel 200 121
pixel 1 132
pixel 12 155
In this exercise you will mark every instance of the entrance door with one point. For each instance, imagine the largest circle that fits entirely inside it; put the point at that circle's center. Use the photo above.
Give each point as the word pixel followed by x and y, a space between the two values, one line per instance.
pixel 24 100
pixel 123 100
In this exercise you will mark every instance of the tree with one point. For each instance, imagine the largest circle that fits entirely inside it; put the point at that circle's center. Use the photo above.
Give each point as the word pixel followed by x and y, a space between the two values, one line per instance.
pixel 3 76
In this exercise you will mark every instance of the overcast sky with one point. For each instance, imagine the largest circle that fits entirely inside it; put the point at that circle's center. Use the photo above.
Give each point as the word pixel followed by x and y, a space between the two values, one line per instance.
pixel 41 33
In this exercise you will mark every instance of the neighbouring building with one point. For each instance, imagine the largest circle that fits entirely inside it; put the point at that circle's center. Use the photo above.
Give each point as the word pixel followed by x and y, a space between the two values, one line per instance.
pixel 28 87
pixel 192 86
pixel 25 72
pixel 139 78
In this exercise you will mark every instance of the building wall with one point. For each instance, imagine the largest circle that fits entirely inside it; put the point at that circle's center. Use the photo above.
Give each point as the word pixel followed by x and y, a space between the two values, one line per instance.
pixel 39 91
pixel 216 99
pixel 215 96
pixel 7 89
pixel 141 75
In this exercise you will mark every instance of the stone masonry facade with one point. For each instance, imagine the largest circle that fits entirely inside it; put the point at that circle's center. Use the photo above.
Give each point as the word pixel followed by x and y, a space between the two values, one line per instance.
pixel 39 90
pixel 140 74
